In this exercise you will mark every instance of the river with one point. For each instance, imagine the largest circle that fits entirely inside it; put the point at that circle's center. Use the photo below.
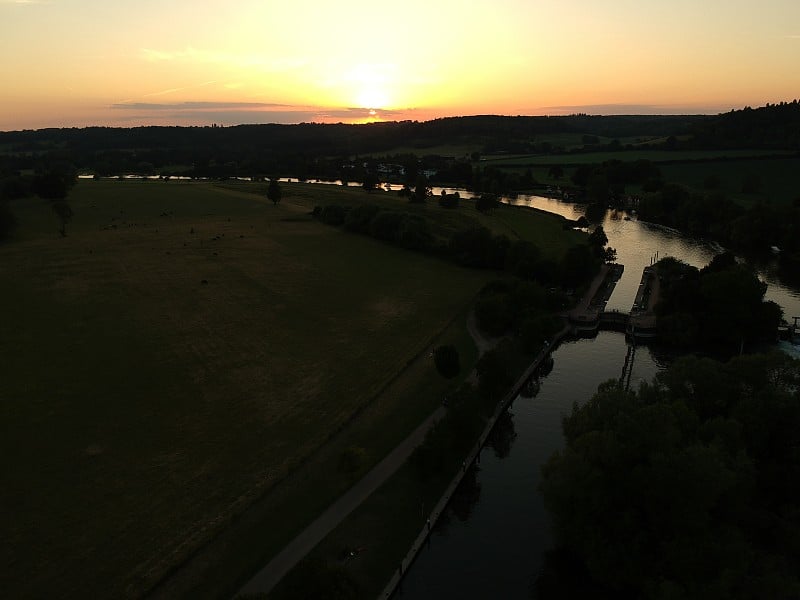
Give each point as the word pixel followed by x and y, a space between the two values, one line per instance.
pixel 492 539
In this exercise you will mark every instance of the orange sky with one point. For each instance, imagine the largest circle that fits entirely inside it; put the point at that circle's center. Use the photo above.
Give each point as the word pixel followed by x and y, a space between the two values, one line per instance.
pixel 92 62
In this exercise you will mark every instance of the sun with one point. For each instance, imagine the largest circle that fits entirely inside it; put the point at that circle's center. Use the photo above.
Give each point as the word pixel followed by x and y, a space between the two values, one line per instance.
pixel 372 96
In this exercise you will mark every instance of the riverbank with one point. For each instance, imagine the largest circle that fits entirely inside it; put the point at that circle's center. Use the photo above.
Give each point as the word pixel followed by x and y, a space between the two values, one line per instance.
pixel 473 456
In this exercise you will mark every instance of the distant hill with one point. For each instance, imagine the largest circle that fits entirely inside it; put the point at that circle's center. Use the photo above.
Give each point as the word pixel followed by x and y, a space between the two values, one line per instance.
pixel 344 139
pixel 321 150
pixel 775 126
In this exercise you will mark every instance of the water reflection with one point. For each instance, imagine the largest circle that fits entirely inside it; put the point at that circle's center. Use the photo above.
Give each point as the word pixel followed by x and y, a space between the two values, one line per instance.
pixel 466 495
pixel 502 437
pixel 498 551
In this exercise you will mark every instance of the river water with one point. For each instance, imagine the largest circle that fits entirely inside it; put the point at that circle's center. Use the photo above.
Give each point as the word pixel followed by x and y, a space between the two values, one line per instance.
pixel 492 538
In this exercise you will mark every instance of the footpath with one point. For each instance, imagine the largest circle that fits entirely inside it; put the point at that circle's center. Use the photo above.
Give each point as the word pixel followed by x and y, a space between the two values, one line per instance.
pixel 265 579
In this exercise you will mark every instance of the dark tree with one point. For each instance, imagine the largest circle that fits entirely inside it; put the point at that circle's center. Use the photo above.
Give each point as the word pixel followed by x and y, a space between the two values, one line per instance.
pixel 274 191
pixel 370 182
pixel 447 362
pixel 486 203
pixel 7 221
pixel 493 375
pixel 578 265
pixel 54 184
pixel 598 237
pixel 64 213
pixel 556 172
pixel 687 488
pixel 333 214
pixel 421 190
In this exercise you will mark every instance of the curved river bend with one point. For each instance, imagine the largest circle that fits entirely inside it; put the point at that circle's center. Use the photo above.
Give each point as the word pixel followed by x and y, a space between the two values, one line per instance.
pixel 491 541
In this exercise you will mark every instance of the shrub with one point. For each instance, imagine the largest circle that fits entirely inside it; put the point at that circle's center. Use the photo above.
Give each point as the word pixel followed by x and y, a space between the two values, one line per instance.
pixel 447 362
pixel 333 214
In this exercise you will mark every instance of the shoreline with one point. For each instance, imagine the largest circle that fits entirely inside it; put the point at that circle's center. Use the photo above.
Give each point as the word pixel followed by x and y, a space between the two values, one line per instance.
pixel 472 457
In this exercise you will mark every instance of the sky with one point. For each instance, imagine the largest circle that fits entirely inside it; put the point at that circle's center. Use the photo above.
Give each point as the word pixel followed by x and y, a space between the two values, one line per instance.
pixel 75 63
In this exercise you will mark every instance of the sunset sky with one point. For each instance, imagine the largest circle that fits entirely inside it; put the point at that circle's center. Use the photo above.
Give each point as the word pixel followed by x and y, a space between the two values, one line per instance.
pixel 104 62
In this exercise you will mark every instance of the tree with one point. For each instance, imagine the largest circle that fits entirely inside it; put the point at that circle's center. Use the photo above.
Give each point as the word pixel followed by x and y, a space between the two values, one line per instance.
pixel 274 192
pixel 687 488
pixel 446 360
pixel 54 184
pixel 598 237
pixel 578 265
pixel 493 375
pixel 486 203
pixel 7 221
pixel 370 181
pixel 421 190
pixel 556 172
pixel 64 213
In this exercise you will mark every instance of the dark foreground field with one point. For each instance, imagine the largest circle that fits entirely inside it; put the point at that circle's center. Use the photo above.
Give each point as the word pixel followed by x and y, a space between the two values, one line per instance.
pixel 181 351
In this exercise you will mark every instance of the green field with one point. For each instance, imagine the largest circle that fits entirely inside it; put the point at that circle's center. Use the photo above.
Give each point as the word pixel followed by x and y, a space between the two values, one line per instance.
pixel 778 178
pixel 776 173
pixel 190 348
pixel 656 156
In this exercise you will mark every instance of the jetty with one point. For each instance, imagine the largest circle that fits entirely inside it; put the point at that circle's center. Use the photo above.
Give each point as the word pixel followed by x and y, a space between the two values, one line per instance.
pixel 590 315
pixel 790 333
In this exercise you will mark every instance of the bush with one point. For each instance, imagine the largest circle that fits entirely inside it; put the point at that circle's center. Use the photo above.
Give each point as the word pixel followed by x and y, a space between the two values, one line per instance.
pixel 359 218
pixel 413 233
pixel 493 374
pixel 447 362
pixel 494 315
pixel 333 214
pixel 386 225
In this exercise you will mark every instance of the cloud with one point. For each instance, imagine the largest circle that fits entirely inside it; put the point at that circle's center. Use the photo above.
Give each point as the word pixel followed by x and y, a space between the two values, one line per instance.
pixel 248 61
pixel 179 106
pixel 626 109
pixel 179 89
pixel 236 113
pixel 24 2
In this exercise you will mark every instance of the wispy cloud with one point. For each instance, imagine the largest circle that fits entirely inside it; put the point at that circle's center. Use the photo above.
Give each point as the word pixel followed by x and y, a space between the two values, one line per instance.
pixel 235 113
pixel 179 89
pixel 180 106
pixel 24 2
pixel 625 109
pixel 197 55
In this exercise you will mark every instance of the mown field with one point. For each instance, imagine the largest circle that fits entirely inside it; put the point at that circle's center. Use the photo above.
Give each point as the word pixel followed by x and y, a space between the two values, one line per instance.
pixel 183 352
pixel 728 171
pixel 656 156
pixel 777 178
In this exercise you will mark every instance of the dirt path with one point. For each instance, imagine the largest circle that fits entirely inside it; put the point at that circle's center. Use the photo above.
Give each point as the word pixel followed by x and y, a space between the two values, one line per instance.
pixel 266 578
pixel 263 581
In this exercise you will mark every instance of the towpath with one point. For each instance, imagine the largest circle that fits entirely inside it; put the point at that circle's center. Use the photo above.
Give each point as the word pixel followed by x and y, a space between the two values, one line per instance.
pixel 263 581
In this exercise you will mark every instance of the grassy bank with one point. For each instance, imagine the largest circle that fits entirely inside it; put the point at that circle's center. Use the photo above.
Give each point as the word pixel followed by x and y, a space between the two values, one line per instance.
pixel 383 528
pixel 186 350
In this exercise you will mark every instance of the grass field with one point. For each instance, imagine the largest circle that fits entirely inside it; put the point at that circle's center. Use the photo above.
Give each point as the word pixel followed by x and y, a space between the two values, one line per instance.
pixel 656 156
pixel 186 347
pixel 778 177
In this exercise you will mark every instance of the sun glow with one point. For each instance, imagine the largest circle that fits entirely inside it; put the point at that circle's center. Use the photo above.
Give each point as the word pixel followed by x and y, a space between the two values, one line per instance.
pixel 372 97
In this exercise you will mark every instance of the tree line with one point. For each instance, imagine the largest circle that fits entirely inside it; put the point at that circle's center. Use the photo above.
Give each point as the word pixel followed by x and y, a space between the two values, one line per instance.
pixel 475 247
pixel 686 488
pixel 721 304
